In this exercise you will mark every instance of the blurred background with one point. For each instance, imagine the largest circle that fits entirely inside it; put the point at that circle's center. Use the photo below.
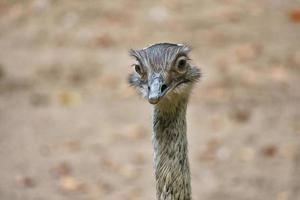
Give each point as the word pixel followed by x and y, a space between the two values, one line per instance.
pixel 71 128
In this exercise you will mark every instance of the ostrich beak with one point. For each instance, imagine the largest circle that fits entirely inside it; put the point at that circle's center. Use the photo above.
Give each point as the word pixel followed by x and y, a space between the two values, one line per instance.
pixel 155 90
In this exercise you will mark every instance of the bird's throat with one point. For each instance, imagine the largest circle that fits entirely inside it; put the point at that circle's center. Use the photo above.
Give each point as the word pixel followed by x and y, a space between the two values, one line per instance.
pixel 171 153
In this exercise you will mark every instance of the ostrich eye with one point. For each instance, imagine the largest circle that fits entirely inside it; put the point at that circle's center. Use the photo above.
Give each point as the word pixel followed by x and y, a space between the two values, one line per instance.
pixel 138 69
pixel 181 64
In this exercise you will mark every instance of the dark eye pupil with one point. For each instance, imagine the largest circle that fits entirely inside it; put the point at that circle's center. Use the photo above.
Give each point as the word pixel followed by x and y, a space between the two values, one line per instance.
pixel 181 64
pixel 138 69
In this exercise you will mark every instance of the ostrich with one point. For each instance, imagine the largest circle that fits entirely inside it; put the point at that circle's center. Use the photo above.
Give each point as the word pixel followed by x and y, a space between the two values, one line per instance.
pixel 163 74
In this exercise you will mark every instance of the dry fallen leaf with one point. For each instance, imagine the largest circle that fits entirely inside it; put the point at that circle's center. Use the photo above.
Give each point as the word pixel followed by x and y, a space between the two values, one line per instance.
pixel 25 181
pixel 71 184
pixel 241 115
pixel 68 98
pixel 105 41
pixel 62 169
pixel 294 15
pixel 270 151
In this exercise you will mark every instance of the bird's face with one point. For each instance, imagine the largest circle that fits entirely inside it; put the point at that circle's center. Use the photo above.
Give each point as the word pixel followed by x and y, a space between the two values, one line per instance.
pixel 163 72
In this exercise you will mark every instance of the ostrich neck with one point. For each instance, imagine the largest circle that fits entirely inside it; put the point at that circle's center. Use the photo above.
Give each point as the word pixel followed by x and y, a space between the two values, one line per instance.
pixel 170 152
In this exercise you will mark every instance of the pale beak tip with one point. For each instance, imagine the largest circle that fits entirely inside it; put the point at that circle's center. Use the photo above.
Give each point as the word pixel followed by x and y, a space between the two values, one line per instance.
pixel 153 100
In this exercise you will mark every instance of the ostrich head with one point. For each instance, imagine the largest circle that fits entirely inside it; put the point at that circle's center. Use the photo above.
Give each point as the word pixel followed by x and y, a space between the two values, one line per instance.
pixel 163 73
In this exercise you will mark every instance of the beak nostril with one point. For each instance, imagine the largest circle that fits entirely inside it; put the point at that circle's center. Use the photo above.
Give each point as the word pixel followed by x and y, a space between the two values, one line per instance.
pixel 148 88
pixel 163 88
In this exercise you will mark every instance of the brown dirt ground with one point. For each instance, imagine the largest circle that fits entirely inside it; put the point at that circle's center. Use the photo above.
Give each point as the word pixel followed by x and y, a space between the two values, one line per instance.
pixel 71 128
